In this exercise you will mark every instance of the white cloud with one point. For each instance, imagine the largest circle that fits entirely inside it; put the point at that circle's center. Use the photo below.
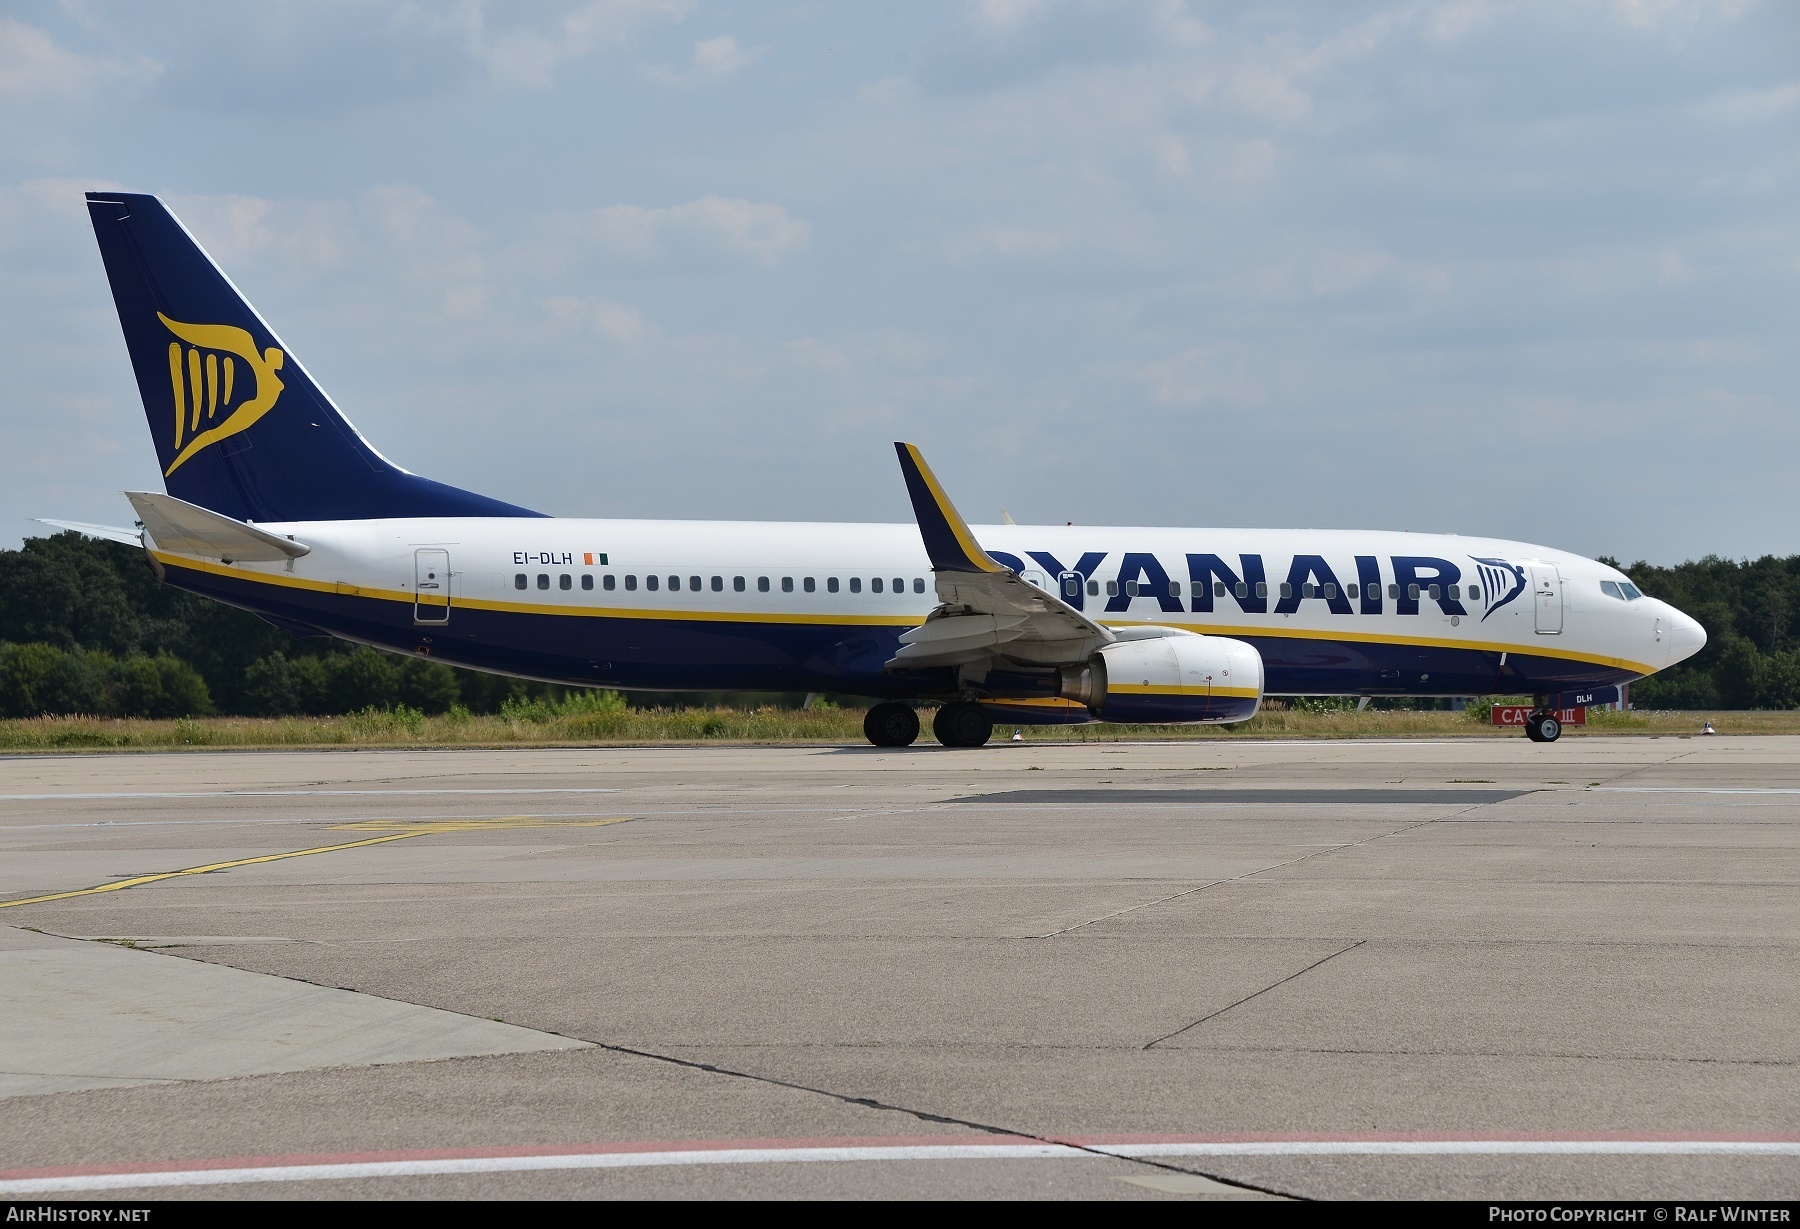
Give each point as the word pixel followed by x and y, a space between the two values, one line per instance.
pixel 1205 375
pixel 528 55
pixel 34 68
pixel 714 59
pixel 704 231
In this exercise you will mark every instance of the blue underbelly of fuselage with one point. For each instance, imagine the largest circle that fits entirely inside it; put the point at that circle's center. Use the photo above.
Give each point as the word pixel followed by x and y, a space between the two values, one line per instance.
pixel 675 654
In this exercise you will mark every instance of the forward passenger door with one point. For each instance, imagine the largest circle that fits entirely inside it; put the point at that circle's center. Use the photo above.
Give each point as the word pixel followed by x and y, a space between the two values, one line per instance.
pixel 1546 584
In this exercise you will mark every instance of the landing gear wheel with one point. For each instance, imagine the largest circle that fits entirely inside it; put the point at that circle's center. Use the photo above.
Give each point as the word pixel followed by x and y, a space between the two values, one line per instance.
pixel 962 724
pixel 1543 728
pixel 891 725
pixel 1531 727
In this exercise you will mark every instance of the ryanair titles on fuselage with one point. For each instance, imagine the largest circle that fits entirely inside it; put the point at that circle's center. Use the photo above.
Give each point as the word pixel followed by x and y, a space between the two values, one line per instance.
pixel 1208 582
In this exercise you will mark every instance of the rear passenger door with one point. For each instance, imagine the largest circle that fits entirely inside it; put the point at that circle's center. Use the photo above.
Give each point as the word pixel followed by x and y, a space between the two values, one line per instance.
pixel 431 585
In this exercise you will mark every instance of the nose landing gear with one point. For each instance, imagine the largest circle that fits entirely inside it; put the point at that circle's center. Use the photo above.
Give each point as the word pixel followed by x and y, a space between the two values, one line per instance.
pixel 1543 727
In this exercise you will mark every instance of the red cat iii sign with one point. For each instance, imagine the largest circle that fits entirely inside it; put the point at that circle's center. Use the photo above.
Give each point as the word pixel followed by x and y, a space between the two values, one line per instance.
pixel 1515 714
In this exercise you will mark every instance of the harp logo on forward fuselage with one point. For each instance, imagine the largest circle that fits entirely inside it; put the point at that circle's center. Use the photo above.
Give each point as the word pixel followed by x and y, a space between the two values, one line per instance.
pixel 210 388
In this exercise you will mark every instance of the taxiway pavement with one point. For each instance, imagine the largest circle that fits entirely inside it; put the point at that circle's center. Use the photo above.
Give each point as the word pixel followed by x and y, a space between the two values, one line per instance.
pixel 1471 968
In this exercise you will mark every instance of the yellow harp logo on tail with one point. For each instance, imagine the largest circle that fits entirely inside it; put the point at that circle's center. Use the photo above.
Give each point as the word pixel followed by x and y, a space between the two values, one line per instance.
pixel 204 377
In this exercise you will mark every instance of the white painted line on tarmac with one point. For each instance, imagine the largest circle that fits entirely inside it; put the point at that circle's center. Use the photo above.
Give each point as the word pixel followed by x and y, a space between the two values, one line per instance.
pixel 300 793
pixel 1679 789
pixel 48 1182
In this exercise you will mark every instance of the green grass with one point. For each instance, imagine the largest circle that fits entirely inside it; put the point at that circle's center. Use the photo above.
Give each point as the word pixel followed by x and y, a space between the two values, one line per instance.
pixel 593 723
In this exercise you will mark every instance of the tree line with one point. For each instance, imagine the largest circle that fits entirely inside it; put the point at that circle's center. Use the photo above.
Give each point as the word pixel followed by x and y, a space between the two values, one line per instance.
pixel 1751 658
pixel 85 627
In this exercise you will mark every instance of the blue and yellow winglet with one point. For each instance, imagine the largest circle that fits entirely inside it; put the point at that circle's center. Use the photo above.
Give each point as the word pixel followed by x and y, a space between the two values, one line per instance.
pixel 948 542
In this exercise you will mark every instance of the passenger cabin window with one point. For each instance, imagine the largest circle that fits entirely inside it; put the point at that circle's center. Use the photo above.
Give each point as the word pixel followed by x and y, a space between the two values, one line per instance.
pixel 694 584
pixel 831 585
pixel 1262 588
pixel 899 584
pixel 1174 588
pixel 519 581
pixel 762 584
pixel 543 580
pixel 918 584
pixel 1436 593
pixel 565 581
pixel 787 584
pixel 875 584
pixel 856 584
pixel 675 584
pixel 653 583
pixel 1394 591
pixel 1131 588
pixel 630 583
pixel 1353 590
pixel 1287 590
pixel 718 584
pixel 737 584
pixel 1330 590
pixel 587 580
pixel 1093 588
pixel 1412 592
pixel 1309 590
pixel 608 582
pixel 1474 593
pixel 1455 593
pixel 1243 589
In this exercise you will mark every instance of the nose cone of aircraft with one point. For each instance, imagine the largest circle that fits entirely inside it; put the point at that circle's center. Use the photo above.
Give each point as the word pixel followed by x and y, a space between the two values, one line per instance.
pixel 1686 636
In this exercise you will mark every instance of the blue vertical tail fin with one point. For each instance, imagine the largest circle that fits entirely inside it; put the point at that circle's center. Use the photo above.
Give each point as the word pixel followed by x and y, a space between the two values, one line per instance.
pixel 239 425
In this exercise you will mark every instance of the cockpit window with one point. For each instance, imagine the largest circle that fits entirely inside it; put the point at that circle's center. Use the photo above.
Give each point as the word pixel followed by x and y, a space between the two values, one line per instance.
pixel 1630 590
pixel 1611 589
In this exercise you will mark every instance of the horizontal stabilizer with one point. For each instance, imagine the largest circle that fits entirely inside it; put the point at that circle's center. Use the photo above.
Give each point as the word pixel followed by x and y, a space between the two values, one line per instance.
pixel 107 533
pixel 185 529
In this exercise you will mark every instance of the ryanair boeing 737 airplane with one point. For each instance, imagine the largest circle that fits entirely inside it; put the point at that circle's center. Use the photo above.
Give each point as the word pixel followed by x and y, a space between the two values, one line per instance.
pixel 276 504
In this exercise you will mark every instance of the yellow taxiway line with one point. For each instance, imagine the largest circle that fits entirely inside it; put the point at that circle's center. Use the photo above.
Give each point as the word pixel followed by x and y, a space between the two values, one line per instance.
pixel 406 830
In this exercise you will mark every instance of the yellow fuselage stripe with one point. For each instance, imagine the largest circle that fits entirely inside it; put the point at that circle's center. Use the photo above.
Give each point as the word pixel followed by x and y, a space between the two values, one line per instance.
pixel 1141 689
pixel 345 589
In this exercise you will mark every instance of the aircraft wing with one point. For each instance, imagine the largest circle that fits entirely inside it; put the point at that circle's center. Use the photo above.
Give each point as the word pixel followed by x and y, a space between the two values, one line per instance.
pixel 985 611
pixel 109 533
pixel 176 525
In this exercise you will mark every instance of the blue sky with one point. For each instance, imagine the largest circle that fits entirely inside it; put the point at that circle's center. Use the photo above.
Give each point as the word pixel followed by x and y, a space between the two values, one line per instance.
pixel 1523 269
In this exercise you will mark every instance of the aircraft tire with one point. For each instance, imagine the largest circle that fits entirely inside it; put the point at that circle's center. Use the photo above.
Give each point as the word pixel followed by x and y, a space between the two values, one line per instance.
pixel 1533 727
pixel 962 724
pixel 1549 729
pixel 891 724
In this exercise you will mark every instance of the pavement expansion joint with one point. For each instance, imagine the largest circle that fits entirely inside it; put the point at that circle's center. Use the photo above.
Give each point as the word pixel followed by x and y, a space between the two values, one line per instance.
pixel 929 1116
pixel 1271 986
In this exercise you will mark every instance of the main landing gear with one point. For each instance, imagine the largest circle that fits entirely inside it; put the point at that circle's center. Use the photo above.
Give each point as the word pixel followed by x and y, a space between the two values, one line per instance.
pixel 1542 727
pixel 962 724
pixel 957 724
pixel 891 725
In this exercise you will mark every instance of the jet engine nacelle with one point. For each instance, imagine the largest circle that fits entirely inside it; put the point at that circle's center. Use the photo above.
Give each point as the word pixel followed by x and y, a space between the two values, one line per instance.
pixel 1172 677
